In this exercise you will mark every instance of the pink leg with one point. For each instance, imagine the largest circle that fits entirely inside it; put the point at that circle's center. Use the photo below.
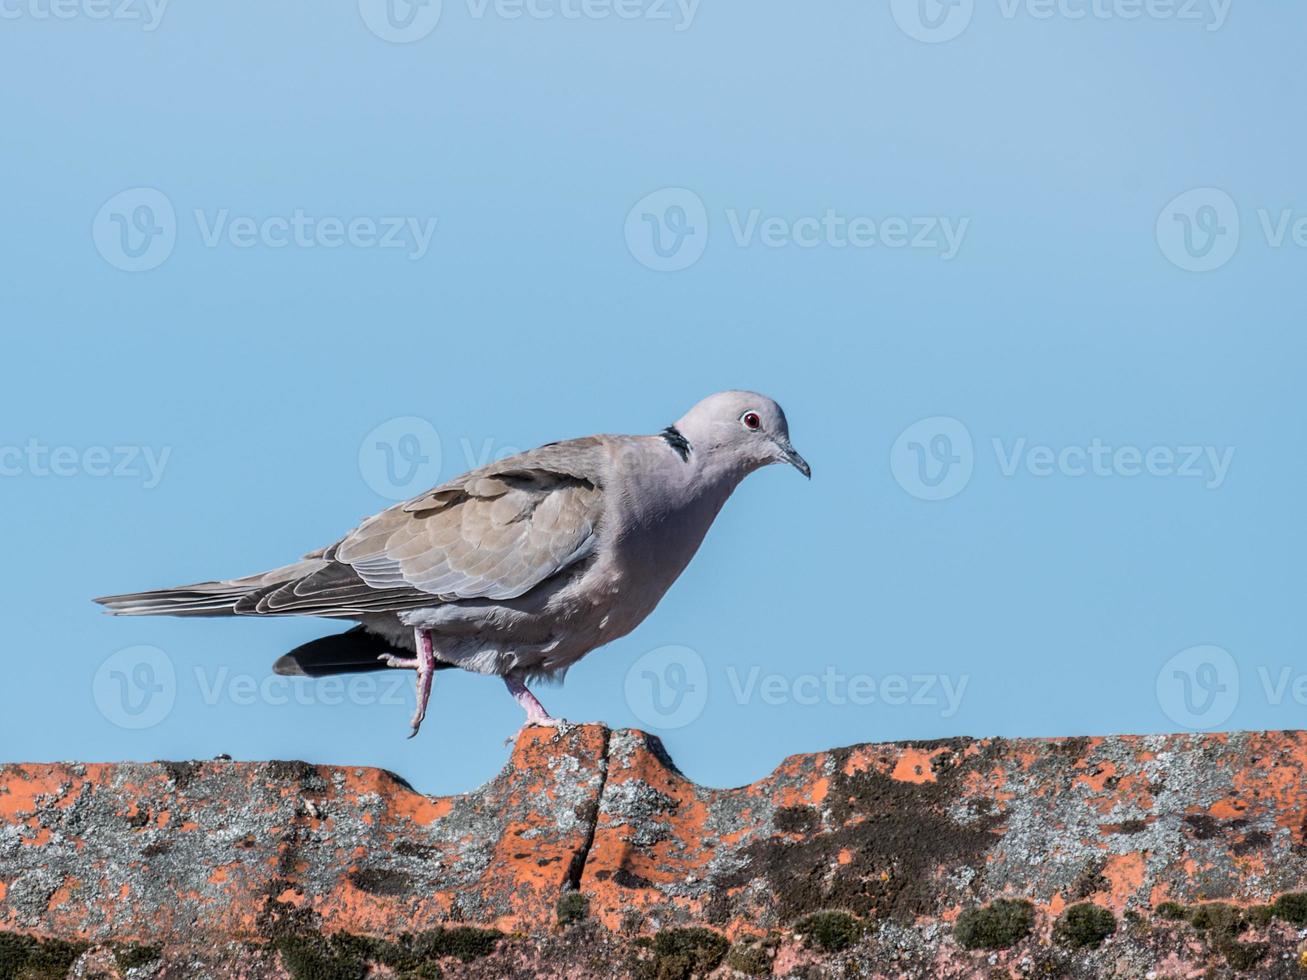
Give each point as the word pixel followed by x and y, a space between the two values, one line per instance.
pixel 426 667
pixel 535 711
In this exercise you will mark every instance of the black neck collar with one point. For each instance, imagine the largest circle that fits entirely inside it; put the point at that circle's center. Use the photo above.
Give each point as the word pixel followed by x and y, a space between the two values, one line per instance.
pixel 681 445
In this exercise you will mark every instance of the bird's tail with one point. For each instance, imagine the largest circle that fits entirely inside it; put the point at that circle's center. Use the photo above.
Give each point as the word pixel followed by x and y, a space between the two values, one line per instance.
pixel 202 599
pixel 205 598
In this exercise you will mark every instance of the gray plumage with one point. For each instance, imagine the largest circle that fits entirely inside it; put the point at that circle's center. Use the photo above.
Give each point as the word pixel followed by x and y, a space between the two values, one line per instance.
pixel 521 567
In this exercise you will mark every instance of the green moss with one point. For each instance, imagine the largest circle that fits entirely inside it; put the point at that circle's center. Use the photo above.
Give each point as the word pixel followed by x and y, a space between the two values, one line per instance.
pixel 464 942
pixel 1291 907
pixel 751 957
pixel 343 956
pixel 29 958
pixel 1174 911
pixel 1224 923
pixel 680 954
pixel 131 955
pixel 998 925
pixel 1084 926
pixel 1242 956
pixel 1261 915
pixel 573 907
pixel 831 931
pixel 1218 918
pixel 317 958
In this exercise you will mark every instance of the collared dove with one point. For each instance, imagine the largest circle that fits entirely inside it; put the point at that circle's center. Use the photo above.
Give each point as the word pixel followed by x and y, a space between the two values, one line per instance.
pixel 517 569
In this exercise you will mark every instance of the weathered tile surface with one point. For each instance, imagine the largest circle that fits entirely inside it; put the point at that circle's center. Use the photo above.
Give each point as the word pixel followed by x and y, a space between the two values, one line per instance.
pixel 220 862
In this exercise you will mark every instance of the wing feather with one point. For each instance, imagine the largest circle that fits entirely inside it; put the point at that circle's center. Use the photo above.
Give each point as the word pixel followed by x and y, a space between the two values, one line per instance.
pixel 494 533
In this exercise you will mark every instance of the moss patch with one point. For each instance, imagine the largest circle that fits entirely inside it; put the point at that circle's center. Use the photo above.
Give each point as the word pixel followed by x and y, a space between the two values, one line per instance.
pixel 998 925
pixel 131 955
pixel 312 956
pixel 1260 915
pixel 1217 917
pixel 317 958
pixel 752 957
pixel 1224 923
pixel 29 958
pixel 1084 926
pixel 1291 907
pixel 680 954
pixel 573 907
pixel 830 931
pixel 897 834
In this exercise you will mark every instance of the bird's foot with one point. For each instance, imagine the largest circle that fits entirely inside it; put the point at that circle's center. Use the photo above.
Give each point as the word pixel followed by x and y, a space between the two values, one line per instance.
pixel 407 663
pixel 549 721
pixel 536 715
pixel 425 663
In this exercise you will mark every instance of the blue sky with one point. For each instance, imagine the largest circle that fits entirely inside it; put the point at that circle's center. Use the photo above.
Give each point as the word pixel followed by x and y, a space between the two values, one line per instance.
pixel 1025 275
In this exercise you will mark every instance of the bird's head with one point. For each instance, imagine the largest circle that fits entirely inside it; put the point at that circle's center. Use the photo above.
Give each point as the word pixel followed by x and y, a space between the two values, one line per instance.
pixel 742 428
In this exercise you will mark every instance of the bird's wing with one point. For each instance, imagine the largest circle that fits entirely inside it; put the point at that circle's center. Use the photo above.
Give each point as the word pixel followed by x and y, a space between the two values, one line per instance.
pixel 494 533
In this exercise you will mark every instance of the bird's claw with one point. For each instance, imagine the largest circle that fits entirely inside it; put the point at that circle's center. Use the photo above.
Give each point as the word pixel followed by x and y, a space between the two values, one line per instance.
pixel 547 722
pixel 559 725
pixel 390 660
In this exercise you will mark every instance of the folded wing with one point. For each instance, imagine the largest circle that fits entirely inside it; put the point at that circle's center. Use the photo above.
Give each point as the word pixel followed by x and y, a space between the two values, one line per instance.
pixel 494 533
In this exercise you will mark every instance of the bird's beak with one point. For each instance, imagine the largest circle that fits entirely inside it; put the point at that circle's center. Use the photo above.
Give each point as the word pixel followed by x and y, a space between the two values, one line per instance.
pixel 791 456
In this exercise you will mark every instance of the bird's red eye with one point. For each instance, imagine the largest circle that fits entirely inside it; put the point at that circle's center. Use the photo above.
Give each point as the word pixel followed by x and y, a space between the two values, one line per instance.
pixel 751 420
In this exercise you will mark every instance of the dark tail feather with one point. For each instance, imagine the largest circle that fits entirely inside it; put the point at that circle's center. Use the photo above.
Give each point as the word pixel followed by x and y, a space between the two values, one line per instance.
pixel 204 599
pixel 355 651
